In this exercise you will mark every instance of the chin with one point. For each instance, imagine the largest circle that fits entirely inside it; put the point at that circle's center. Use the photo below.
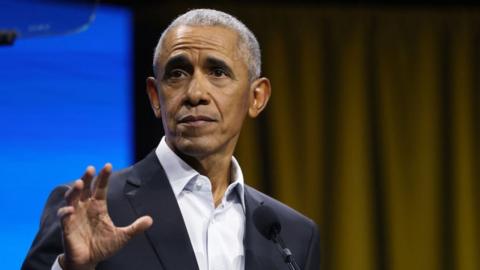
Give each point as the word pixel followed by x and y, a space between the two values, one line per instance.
pixel 195 147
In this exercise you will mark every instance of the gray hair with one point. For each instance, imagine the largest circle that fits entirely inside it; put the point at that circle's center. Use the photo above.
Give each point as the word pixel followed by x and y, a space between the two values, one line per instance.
pixel 248 44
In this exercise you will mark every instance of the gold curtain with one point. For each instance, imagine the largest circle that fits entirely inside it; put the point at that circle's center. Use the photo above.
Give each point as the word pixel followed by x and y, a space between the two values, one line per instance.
pixel 373 131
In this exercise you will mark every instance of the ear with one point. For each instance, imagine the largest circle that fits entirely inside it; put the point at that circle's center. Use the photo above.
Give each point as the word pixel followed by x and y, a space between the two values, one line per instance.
pixel 152 92
pixel 260 91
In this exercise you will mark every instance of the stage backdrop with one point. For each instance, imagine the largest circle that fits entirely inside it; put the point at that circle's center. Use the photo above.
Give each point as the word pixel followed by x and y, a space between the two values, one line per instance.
pixel 373 131
pixel 64 104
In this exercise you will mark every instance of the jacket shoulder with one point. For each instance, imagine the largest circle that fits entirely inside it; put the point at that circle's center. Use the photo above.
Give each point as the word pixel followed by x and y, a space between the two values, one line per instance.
pixel 299 232
pixel 285 212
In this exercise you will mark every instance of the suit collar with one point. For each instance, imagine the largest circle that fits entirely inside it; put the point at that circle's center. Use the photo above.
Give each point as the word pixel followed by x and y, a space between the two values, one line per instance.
pixel 257 248
pixel 150 193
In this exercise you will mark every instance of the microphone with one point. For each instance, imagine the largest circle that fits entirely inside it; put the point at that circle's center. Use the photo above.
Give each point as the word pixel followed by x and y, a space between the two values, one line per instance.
pixel 268 224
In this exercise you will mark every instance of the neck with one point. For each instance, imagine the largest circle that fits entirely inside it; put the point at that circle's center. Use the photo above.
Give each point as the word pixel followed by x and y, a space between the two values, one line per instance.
pixel 217 169
pixel 215 165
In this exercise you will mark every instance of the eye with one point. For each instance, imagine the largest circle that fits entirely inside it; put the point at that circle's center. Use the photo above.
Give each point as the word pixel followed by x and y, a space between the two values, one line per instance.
pixel 176 74
pixel 219 73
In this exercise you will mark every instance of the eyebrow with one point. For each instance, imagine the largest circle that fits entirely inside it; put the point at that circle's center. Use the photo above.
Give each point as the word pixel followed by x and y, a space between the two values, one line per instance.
pixel 179 61
pixel 215 62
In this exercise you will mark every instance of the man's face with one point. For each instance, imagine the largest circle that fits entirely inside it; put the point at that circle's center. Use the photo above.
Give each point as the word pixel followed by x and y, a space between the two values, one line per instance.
pixel 203 89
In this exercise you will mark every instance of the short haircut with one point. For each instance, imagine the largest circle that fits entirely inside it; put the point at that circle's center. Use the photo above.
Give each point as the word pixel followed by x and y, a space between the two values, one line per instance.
pixel 248 44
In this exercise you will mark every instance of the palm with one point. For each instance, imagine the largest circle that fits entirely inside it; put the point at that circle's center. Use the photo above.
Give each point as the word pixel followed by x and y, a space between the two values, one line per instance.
pixel 88 232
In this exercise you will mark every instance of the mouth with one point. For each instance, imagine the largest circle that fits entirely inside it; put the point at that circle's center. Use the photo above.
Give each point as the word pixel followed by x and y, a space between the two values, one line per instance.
pixel 196 120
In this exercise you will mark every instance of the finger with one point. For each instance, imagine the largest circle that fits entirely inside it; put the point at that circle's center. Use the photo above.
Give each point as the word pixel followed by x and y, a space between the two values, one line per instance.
pixel 101 183
pixel 65 211
pixel 87 182
pixel 73 194
pixel 138 226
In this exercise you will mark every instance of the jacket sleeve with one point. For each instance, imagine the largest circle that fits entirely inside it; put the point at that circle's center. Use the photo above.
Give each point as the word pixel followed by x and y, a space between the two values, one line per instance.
pixel 47 244
pixel 313 257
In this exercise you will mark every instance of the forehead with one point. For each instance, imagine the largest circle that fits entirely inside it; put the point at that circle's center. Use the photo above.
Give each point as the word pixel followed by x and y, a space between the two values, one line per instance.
pixel 213 39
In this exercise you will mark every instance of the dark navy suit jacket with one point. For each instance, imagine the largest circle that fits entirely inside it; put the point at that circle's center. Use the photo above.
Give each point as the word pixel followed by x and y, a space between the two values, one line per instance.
pixel 143 189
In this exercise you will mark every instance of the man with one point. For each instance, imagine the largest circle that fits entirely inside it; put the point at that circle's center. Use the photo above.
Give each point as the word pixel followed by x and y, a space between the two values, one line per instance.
pixel 185 206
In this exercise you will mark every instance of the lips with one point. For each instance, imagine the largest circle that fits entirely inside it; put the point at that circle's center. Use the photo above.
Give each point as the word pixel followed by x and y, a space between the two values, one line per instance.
pixel 195 119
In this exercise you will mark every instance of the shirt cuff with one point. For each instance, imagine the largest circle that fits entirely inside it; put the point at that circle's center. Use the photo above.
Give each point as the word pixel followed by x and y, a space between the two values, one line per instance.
pixel 56 264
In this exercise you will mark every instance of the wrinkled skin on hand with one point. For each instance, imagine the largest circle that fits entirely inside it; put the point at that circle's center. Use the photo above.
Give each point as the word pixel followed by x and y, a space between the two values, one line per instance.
pixel 89 235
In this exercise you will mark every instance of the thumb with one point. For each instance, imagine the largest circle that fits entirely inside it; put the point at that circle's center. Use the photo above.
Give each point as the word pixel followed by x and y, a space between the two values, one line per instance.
pixel 138 226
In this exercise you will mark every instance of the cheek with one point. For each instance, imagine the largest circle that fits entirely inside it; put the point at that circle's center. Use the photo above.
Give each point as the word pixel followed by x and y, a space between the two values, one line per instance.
pixel 170 104
pixel 236 109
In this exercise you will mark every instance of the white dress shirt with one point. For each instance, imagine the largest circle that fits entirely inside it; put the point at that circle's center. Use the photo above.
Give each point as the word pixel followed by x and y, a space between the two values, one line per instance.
pixel 216 233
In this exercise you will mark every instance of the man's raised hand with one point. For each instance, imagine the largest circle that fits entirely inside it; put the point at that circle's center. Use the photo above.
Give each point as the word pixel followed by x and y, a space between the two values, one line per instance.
pixel 89 235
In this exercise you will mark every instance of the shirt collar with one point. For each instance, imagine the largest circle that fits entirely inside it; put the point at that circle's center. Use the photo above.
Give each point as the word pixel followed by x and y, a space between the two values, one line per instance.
pixel 179 173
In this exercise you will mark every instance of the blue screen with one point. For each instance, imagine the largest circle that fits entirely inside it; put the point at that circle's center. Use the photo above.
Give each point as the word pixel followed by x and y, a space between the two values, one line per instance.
pixel 65 103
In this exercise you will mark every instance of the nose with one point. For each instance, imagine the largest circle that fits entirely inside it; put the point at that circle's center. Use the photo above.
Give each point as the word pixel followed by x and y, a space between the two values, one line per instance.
pixel 197 92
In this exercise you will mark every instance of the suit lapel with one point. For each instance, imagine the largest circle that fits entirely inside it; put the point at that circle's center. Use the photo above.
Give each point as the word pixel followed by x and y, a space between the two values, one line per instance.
pixel 257 247
pixel 150 193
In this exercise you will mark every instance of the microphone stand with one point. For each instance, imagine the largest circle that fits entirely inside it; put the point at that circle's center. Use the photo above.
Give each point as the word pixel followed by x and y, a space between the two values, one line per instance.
pixel 286 253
